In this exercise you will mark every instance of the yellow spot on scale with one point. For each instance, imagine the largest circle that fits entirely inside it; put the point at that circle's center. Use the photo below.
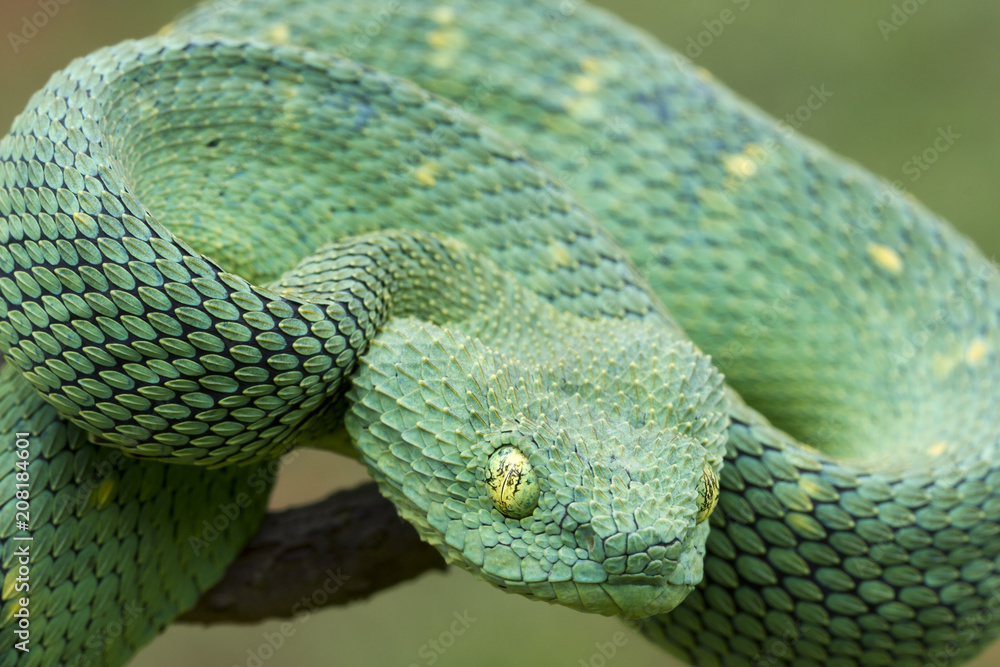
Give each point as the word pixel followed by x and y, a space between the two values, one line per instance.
pixel 166 30
pixel 976 352
pixel 718 206
pixel 945 364
pixel 885 257
pixel 740 165
pixel 811 488
pixel 106 492
pixel 425 175
pixel 704 74
pixel 582 108
pixel 561 256
pixel 10 592
pixel 279 33
pixel 585 84
pixel 590 64
pixel 755 152
pixel 443 14
pixel 10 580
pixel 938 448
pixel 443 59
pixel 444 39
pixel 437 39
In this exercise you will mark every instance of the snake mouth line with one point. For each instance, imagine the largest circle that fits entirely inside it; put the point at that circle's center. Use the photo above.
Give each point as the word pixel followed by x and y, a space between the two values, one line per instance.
pixel 638 601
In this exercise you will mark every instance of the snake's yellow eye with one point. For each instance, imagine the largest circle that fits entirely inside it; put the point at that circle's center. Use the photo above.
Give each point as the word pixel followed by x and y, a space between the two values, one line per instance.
pixel 511 482
pixel 708 493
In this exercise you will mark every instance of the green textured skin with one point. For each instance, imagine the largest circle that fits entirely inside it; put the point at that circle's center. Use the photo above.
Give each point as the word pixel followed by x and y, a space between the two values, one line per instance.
pixel 875 542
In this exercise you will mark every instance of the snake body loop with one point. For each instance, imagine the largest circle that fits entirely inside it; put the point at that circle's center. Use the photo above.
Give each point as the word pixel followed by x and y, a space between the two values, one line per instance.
pixel 227 240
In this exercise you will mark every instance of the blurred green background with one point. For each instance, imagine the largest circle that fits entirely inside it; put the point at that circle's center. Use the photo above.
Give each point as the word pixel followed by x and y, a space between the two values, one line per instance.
pixel 893 90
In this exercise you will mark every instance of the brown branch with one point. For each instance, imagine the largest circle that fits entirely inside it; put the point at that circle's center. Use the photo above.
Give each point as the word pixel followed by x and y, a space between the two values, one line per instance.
pixel 341 549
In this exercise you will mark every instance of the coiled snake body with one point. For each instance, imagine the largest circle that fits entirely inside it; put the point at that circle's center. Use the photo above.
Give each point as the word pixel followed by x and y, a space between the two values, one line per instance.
pixel 512 380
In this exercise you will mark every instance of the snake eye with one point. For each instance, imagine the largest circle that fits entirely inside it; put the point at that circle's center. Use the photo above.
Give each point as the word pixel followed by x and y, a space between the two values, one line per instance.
pixel 708 494
pixel 511 482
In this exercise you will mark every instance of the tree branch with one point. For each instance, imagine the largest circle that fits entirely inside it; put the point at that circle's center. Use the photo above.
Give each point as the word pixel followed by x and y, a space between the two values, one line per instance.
pixel 341 549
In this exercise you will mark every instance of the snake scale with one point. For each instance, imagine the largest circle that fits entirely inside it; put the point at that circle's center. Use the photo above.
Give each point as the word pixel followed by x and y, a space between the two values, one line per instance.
pixel 227 240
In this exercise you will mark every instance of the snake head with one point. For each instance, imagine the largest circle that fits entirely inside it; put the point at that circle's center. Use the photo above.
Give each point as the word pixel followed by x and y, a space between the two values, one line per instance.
pixel 583 488
pixel 617 514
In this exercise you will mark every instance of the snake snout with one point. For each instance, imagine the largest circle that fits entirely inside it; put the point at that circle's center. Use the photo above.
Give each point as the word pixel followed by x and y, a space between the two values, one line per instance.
pixel 642 573
pixel 644 533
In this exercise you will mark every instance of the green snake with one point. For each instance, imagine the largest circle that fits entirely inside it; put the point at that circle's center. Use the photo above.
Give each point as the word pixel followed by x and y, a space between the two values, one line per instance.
pixel 229 240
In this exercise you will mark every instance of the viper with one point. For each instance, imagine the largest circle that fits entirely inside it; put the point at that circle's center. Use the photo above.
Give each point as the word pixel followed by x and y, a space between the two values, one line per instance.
pixel 605 334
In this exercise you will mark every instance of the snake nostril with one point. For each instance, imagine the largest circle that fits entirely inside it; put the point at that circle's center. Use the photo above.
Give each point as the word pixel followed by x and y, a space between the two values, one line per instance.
pixel 587 539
